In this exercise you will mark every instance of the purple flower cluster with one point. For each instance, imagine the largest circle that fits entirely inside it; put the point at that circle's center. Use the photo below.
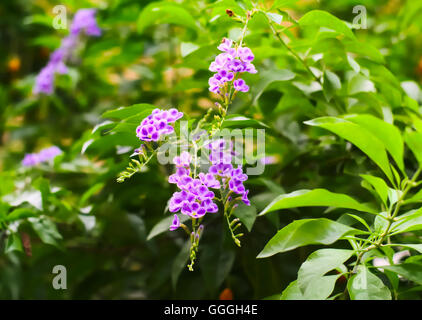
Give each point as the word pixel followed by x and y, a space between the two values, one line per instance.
pixel 221 154
pixel 228 64
pixel 83 22
pixel 157 124
pixel 32 159
pixel 195 198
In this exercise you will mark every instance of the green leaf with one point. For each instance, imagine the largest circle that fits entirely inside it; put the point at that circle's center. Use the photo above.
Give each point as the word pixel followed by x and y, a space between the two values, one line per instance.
pixel 318 18
pixel 311 278
pixel 304 232
pixel 20 213
pixel 267 77
pixel 277 18
pixel 411 271
pixel 379 185
pixel 46 230
pixel 216 263
pixel 417 247
pixel 315 198
pixel 240 122
pixel 331 84
pixel 187 48
pixel 388 134
pixel 366 286
pixel 179 263
pixel 361 220
pixel 246 214
pixel 414 142
pixel 409 221
pixel 126 112
pixel 320 288
pixel 292 292
pixel 282 3
pixel 164 225
pixel 14 243
pixel 165 12
pixel 360 137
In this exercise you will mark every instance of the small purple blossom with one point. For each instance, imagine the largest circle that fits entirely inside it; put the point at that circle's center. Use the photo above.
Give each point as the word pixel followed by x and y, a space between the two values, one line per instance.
pixel 157 124
pixel 45 155
pixel 176 223
pixel 44 82
pixel 228 64
pixel 240 85
pixel 84 20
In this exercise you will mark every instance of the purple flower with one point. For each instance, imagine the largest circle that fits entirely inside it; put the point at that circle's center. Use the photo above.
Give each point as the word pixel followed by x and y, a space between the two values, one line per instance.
pixel 183 160
pixel 225 45
pixel 245 54
pixel 30 159
pixel 245 198
pixel 44 82
pixel 240 85
pixel 157 124
pixel 233 60
pixel 176 223
pixel 84 20
pixel 47 154
pixel 194 210
pixel 209 180
pixel 236 66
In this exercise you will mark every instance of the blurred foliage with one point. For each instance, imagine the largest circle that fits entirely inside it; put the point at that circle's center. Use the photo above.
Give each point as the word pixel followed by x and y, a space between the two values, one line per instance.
pixel 311 65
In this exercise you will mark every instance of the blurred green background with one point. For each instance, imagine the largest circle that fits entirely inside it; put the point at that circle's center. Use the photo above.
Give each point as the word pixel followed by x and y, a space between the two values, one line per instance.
pixel 98 228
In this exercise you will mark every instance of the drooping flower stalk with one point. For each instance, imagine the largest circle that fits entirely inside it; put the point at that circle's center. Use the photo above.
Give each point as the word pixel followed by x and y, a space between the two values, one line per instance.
pixel 84 22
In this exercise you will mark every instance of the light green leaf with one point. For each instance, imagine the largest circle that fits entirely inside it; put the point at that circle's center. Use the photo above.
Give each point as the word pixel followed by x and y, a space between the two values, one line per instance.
pixel 315 198
pixel 292 292
pixel 282 3
pixel 318 18
pixel 187 48
pixel 46 230
pixel 414 142
pixel 379 185
pixel 277 18
pixel 366 286
pixel 13 243
pixel 20 213
pixel 417 247
pixel 409 221
pixel 304 232
pixel 126 112
pixel 411 271
pixel 360 83
pixel 331 84
pixel 388 134
pixel 246 214
pixel 240 122
pixel 311 278
pixel 165 12
pixel 267 77
pixel 320 288
pixel 360 137
pixel 361 220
